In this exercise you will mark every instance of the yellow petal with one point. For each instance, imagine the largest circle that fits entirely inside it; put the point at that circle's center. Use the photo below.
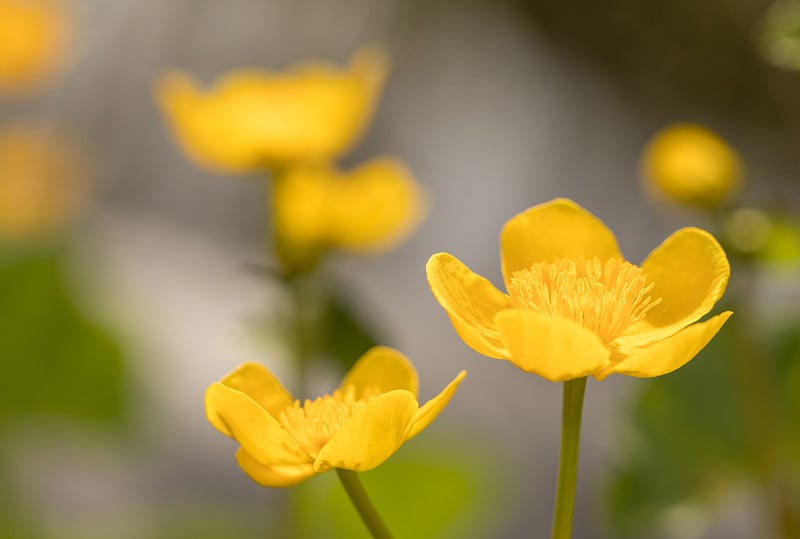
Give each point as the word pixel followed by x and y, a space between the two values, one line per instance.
pixel 689 272
pixel 374 206
pixel 371 435
pixel 254 380
pixel 552 347
pixel 427 413
pixel 43 181
pixel 273 476
pixel 557 229
pixel 384 369
pixel 236 415
pixel 35 36
pixel 471 302
pixel 301 199
pixel 202 126
pixel 673 352
pixel 253 119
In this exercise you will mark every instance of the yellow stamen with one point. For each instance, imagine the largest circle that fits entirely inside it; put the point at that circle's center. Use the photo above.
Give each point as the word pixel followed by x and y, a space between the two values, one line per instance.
pixel 314 422
pixel 604 297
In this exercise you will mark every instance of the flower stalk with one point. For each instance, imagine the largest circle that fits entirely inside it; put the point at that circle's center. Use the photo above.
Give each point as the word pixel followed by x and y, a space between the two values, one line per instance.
pixel 358 495
pixel 568 460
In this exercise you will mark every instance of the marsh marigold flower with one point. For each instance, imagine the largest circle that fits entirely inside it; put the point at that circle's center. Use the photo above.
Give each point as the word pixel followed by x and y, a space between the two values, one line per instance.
pixel 574 306
pixel 32 38
pixel 254 119
pixel 691 165
pixel 370 208
pixel 42 183
pixel 357 427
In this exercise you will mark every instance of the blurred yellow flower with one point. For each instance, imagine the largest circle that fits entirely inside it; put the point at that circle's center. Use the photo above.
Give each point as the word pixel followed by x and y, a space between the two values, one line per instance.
pixel 284 441
pixel 368 209
pixel 42 183
pixel 576 307
pixel 32 38
pixel 691 165
pixel 254 119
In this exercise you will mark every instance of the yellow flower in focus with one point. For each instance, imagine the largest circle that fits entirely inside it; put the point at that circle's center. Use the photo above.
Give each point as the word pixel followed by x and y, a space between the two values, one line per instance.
pixel 42 183
pixel 691 165
pixel 357 427
pixel 32 36
pixel 252 119
pixel 574 306
pixel 370 208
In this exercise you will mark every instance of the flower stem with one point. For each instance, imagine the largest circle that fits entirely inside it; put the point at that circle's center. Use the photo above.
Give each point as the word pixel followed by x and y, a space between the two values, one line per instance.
pixel 352 484
pixel 568 460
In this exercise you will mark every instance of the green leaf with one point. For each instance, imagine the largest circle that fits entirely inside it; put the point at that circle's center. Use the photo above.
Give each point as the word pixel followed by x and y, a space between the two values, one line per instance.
pixel 685 444
pixel 442 489
pixel 55 359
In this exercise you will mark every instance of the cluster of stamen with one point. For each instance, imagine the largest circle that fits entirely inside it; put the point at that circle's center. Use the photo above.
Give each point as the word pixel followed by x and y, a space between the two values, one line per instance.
pixel 606 297
pixel 314 422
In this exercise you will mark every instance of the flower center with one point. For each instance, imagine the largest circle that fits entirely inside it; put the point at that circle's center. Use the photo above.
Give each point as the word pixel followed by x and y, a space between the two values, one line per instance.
pixel 313 423
pixel 604 297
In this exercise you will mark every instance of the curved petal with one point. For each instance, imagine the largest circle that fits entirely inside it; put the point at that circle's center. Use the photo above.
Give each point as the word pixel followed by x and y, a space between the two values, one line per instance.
pixel 427 413
pixel 236 415
pixel 374 206
pixel 471 301
pixel 384 369
pixel 556 229
pixel 273 476
pixel 550 346
pixel 301 202
pixel 254 380
pixel 251 118
pixel 199 123
pixel 370 65
pixel 689 272
pixel 673 352
pixel 371 436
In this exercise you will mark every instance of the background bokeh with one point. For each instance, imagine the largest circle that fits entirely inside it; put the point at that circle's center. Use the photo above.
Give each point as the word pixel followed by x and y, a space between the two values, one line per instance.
pixel 495 106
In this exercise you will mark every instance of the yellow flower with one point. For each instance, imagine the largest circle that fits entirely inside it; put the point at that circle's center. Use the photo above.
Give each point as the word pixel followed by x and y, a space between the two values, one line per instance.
pixel 253 119
pixel 368 209
pixel 691 165
pixel 33 34
pixel 42 183
pixel 576 307
pixel 357 427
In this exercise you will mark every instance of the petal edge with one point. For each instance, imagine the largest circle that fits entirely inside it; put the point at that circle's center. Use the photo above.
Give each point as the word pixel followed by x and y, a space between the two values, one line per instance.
pixel 552 347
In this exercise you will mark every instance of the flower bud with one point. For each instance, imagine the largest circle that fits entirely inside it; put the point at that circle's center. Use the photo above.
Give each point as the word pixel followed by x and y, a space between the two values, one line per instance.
pixel 691 165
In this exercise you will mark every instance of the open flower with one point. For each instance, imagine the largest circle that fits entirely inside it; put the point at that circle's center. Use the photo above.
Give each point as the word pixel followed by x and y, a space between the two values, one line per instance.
pixel 691 165
pixel 31 47
pixel 252 119
pixel 357 427
pixel 574 306
pixel 368 209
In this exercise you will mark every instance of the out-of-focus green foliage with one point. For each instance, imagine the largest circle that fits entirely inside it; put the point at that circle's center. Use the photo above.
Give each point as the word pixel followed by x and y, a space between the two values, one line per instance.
pixel 16 522
pixel 440 488
pixel 781 37
pixel 729 419
pixel 345 337
pixel 55 358
pixel 321 322
pixel 771 238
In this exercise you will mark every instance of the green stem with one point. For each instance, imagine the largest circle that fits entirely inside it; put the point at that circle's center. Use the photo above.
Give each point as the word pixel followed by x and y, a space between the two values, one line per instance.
pixel 352 484
pixel 568 461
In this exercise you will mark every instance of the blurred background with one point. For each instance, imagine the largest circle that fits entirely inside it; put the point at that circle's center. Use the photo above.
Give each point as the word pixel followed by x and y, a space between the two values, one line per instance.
pixel 137 279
